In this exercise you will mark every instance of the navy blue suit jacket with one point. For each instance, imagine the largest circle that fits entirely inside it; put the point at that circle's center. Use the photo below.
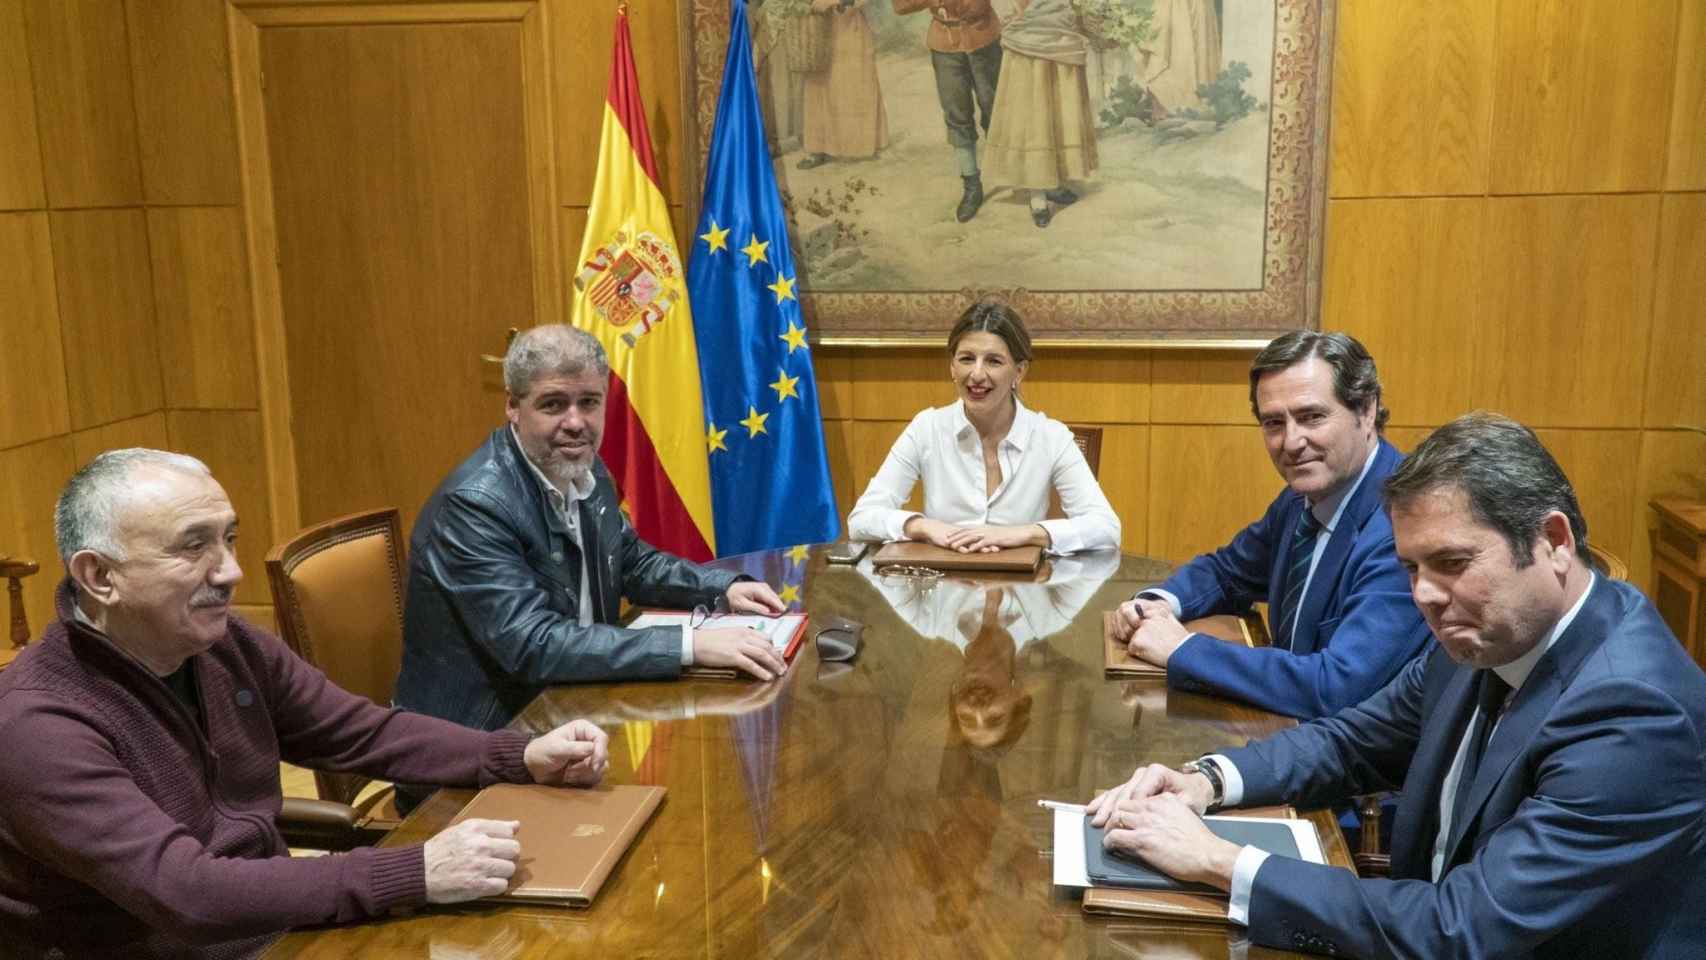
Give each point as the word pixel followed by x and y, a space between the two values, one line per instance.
pixel 1357 626
pixel 1586 832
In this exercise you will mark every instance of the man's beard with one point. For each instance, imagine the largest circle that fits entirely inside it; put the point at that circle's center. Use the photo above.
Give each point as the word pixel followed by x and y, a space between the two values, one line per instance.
pixel 559 469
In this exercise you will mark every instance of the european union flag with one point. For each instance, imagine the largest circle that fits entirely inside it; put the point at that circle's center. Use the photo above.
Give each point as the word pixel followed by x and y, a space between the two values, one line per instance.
pixel 769 475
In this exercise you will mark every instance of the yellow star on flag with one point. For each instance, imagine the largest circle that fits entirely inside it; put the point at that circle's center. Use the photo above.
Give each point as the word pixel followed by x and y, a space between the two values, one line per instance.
pixel 784 386
pixel 754 422
pixel 795 336
pixel 783 288
pixel 717 239
pixel 754 251
pixel 790 593
pixel 714 438
pixel 798 553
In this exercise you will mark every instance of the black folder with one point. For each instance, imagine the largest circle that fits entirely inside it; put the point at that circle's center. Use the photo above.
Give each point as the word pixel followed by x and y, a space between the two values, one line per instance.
pixel 1117 870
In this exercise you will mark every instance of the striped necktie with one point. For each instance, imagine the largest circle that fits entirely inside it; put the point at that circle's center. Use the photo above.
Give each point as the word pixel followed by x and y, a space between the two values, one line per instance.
pixel 1297 574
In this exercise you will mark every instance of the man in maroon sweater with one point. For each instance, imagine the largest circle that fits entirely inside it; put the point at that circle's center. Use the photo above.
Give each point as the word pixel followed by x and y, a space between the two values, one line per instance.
pixel 142 737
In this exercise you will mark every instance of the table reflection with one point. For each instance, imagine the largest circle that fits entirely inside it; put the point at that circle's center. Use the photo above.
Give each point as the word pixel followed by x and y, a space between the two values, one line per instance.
pixel 885 807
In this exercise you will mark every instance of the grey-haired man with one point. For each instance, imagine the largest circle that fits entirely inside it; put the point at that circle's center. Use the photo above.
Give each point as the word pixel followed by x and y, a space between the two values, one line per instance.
pixel 519 562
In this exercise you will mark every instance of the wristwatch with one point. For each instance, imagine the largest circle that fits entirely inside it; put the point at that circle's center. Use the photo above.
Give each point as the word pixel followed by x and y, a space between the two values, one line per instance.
pixel 1211 770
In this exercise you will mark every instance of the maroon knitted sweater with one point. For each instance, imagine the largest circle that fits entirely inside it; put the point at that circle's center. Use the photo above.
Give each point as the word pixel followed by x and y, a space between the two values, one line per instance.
pixel 125 830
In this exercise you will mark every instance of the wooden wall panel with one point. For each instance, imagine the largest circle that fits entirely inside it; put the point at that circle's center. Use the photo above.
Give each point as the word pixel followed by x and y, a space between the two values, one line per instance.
pixel 1201 386
pixel 897 384
pixel 1124 476
pixel 582 36
pixel 1598 465
pixel 184 105
pixel 201 297
pixel 1676 373
pixel 1686 167
pixel 1405 277
pixel 30 480
pixel 20 147
pixel 400 177
pixel 1673 464
pixel 871 442
pixel 229 442
pixel 148 430
pixel 1412 93
pixel 834 370
pixel 838 444
pixel 80 60
pixel 1568 309
pixel 1581 94
pixel 1089 386
pixel 33 401
pixel 1205 484
pixel 106 310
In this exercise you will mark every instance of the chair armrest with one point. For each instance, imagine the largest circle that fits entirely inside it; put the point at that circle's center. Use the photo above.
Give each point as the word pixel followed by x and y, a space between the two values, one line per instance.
pixel 323 825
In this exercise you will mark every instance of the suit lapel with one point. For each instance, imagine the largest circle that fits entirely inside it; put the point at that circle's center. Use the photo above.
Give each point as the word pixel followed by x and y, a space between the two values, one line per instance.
pixel 1442 733
pixel 1533 703
pixel 1364 501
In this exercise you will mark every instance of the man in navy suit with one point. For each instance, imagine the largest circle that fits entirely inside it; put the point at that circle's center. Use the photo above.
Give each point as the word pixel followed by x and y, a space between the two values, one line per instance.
pixel 1339 608
pixel 1550 749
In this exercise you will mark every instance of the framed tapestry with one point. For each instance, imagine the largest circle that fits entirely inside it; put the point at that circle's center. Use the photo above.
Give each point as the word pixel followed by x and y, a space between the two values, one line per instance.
pixel 1126 172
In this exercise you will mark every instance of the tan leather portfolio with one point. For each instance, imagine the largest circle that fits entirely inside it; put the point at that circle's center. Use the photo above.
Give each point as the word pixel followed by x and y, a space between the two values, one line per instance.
pixel 570 838
pixel 1117 661
pixel 1008 560
pixel 1167 905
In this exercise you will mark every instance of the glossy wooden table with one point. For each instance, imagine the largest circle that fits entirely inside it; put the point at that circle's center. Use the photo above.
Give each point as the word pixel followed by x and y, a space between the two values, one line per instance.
pixel 885 808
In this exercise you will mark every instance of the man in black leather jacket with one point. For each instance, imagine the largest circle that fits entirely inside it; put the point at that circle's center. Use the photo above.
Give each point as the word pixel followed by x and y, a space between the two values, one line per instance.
pixel 500 601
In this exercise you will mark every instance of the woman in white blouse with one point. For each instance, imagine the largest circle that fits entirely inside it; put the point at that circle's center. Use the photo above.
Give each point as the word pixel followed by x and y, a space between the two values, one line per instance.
pixel 988 462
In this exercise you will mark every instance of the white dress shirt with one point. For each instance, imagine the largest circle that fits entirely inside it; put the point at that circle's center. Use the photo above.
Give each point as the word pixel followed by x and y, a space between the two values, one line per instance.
pixel 1515 673
pixel 942 447
pixel 566 507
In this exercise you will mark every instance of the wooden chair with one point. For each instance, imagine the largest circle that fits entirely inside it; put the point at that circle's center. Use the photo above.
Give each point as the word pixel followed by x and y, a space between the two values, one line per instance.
pixel 15 569
pixel 1089 440
pixel 337 591
pixel 1608 563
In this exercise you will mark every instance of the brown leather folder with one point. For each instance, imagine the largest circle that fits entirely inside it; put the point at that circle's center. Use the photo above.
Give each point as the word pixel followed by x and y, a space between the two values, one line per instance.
pixel 1007 560
pixel 571 839
pixel 1167 905
pixel 1117 661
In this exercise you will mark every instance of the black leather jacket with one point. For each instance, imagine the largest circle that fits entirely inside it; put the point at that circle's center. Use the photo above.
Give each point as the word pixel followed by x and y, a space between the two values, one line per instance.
pixel 491 616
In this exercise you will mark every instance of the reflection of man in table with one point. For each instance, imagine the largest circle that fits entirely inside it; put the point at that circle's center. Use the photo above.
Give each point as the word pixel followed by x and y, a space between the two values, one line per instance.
pixel 1339 608
pixel 965 54
pixel 1554 798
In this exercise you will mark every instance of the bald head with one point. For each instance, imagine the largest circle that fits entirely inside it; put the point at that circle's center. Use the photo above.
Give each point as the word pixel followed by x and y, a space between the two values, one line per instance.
pixel 92 505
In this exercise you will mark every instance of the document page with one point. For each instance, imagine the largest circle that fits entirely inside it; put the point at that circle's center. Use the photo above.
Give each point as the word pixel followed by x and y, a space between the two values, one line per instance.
pixel 779 630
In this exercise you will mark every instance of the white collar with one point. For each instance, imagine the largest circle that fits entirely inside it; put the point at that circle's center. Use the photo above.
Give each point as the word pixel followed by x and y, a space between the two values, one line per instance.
pixel 579 488
pixel 1024 420
pixel 1331 507
pixel 1516 672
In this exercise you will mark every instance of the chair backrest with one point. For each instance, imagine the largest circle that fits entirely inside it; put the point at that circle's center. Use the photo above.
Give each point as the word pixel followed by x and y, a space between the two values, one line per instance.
pixel 1089 440
pixel 1608 563
pixel 15 569
pixel 337 591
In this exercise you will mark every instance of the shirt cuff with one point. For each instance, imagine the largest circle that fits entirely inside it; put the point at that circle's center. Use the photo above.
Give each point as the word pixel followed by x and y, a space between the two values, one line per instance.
pixel 1250 860
pixel 1232 785
pixel 897 524
pixel 1063 536
pixel 686 644
pixel 1171 601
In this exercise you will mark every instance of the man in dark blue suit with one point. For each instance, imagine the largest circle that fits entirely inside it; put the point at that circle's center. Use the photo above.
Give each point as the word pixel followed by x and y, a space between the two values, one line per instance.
pixel 1551 749
pixel 1339 608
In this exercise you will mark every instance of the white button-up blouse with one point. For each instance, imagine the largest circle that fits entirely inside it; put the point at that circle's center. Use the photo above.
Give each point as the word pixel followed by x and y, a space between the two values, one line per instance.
pixel 1038 455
